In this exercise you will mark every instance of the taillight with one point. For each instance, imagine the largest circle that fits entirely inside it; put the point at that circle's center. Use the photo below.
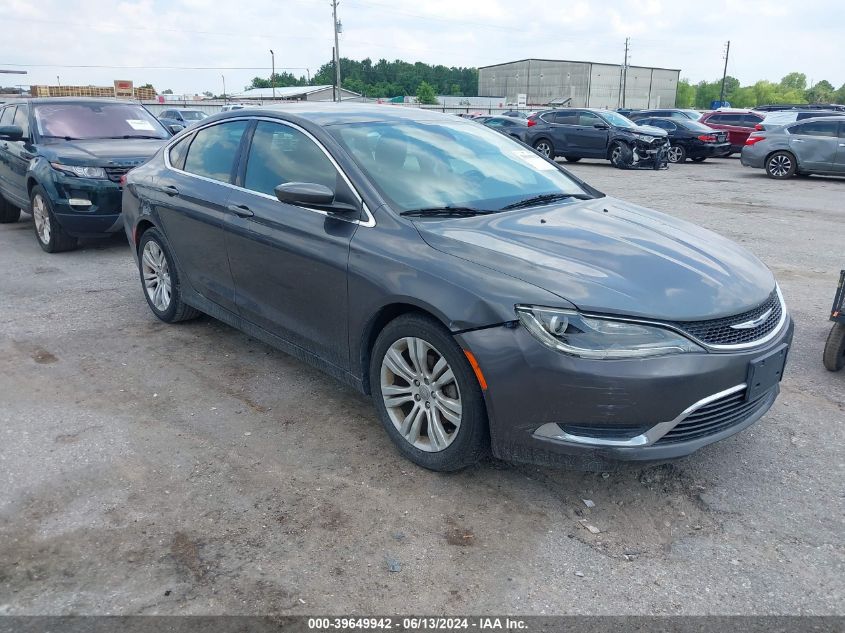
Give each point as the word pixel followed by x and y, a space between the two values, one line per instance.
pixel 123 180
pixel 532 122
pixel 707 138
pixel 754 139
pixel 759 127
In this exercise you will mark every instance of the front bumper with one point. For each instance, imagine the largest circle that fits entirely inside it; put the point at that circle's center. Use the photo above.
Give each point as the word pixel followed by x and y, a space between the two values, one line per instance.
pixel 85 207
pixel 535 395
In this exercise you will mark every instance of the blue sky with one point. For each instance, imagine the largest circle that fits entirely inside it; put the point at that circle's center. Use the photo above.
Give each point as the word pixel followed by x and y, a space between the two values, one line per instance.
pixel 208 40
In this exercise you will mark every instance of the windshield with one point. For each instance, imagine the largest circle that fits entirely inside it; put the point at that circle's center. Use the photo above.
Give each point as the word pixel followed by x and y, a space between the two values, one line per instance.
pixel 193 115
pixel 614 118
pixel 695 115
pixel 96 120
pixel 425 165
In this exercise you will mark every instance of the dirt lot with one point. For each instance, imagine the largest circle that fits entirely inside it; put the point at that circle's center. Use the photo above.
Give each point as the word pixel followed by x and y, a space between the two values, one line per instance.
pixel 149 468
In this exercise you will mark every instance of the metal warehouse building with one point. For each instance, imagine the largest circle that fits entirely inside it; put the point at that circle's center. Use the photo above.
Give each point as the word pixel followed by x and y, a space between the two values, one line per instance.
pixel 579 84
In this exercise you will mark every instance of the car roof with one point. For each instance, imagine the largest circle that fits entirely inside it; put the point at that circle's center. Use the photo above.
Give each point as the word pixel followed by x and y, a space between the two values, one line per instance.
pixel 330 113
pixel 38 100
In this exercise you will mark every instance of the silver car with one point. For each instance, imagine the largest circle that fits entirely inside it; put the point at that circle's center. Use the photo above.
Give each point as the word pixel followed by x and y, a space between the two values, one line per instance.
pixel 812 146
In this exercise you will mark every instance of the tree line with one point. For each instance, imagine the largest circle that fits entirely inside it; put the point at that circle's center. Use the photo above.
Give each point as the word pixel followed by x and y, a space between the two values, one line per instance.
pixel 384 78
pixel 792 88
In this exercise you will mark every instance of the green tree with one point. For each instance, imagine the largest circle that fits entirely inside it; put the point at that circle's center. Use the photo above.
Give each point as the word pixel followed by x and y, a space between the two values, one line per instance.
pixel 794 81
pixel 426 94
pixel 685 97
pixel 822 92
pixel 839 95
pixel 167 92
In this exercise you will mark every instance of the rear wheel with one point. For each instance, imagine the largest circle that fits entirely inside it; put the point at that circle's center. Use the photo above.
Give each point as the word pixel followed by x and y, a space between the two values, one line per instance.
pixel 834 349
pixel 160 279
pixel 427 396
pixel 51 237
pixel 545 147
pixel 572 159
pixel 780 165
pixel 8 212
pixel 676 154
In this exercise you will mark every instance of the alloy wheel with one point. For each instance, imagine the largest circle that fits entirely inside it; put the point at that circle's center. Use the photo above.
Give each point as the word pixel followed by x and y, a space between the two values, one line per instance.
pixel 544 148
pixel 615 154
pixel 421 394
pixel 41 216
pixel 156 274
pixel 780 165
pixel 674 154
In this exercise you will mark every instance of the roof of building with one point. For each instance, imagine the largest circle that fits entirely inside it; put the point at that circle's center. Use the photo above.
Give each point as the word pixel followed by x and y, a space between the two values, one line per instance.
pixel 284 92
pixel 573 61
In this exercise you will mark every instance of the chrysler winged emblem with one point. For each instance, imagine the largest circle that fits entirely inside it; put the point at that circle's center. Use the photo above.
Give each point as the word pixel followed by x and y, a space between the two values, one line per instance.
pixel 750 325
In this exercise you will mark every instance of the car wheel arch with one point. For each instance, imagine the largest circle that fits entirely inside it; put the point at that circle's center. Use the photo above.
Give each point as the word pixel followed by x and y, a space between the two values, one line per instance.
pixel 377 323
pixel 141 227
pixel 779 151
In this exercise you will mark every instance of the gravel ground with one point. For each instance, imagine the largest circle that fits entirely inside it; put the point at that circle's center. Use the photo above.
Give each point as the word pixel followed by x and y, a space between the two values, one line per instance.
pixel 155 469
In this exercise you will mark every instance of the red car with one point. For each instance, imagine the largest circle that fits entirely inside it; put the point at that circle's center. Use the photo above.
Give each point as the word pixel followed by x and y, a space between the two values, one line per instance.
pixel 737 123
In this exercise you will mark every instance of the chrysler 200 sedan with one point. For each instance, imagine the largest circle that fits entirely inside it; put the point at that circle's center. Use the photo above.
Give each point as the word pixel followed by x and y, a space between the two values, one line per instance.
pixel 484 297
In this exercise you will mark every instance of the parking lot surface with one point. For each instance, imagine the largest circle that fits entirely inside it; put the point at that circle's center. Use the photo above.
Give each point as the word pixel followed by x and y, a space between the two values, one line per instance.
pixel 158 469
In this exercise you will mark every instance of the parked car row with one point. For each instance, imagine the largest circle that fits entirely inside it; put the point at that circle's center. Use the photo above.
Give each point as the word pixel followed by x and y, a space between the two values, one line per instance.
pixel 482 295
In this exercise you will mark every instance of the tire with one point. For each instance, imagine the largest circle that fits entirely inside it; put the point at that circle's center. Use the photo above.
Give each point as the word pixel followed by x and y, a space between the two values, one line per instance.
pixel 619 155
pixel 544 146
pixel 160 279
pixel 834 348
pixel 9 213
pixel 572 159
pixel 780 166
pixel 51 237
pixel 700 159
pixel 676 154
pixel 455 446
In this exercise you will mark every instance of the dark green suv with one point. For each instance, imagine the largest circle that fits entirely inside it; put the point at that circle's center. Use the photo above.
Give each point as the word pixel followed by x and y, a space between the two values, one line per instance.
pixel 62 160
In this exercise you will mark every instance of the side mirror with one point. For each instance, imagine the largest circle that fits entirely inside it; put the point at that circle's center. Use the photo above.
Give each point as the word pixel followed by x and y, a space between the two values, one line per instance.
pixel 11 132
pixel 311 194
pixel 600 126
pixel 175 128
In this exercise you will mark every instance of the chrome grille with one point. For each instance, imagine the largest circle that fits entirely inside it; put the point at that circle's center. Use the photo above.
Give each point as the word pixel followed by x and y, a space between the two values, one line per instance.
pixel 720 332
pixel 717 416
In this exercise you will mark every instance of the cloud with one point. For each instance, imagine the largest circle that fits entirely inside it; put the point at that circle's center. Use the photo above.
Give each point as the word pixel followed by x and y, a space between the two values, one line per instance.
pixel 209 39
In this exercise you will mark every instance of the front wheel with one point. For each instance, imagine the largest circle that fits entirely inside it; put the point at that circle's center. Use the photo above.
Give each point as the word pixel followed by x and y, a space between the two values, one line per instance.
pixel 545 148
pixel 620 155
pixel 51 237
pixel 676 154
pixel 834 348
pixel 160 279
pixel 700 159
pixel 427 396
pixel 780 165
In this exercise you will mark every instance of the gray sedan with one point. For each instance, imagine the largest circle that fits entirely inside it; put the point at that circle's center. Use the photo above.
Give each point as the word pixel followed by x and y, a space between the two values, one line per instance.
pixel 480 293
pixel 812 146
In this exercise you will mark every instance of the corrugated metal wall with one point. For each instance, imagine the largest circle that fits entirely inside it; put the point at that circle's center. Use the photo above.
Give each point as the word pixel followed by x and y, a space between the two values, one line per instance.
pixel 587 84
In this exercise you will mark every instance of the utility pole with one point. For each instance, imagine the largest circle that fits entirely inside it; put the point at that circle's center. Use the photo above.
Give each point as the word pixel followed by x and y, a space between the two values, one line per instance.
pixel 336 52
pixel 224 88
pixel 625 72
pixel 273 72
pixel 724 74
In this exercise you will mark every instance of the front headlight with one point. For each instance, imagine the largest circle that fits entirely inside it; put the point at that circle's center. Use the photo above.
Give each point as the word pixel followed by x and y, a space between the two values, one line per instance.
pixel 81 172
pixel 573 333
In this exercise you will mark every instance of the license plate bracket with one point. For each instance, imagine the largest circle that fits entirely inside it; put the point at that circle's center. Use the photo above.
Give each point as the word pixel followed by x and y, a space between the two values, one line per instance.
pixel 765 372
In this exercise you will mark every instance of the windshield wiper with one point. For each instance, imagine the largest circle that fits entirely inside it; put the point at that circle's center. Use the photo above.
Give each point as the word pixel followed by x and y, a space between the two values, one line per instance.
pixel 544 199
pixel 447 211
pixel 126 136
pixel 64 138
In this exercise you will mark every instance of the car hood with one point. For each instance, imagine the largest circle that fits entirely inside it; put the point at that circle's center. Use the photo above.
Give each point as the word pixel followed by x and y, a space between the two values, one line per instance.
pixel 651 130
pixel 103 152
pixel 609 256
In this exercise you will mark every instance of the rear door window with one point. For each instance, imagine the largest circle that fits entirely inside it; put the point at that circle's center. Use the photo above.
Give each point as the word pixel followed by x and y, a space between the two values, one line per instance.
pixel 566 118
pixel 816 128
pixel 213 152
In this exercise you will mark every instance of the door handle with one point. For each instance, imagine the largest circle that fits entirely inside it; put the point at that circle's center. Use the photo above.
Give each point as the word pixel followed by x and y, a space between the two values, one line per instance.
pixel 842 145
pixel 241 210
pixel 170 190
